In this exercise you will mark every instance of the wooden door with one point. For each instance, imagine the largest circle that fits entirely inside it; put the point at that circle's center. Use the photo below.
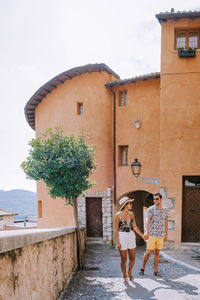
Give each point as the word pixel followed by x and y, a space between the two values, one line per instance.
pixel 191 209
pixel 94 217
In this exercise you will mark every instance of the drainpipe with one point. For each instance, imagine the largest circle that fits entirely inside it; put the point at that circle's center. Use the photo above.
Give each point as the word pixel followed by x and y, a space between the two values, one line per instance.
pixel 114 142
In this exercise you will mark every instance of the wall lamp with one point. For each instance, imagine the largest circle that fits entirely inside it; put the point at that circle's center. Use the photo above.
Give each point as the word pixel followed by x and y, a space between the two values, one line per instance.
pixel 136 168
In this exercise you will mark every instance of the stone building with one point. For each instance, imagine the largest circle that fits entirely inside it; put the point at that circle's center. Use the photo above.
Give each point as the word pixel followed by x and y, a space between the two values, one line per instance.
pixel 154 117
pixel 6 218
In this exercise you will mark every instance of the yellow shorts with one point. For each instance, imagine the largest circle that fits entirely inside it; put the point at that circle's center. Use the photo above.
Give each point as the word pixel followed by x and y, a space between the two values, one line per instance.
pixel 155 243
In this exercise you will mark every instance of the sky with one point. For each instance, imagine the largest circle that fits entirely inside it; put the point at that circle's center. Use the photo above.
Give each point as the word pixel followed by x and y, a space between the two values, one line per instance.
pixel 40 39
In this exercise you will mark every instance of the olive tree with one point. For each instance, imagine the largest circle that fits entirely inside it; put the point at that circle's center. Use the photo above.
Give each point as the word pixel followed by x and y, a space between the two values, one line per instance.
pixel 65 164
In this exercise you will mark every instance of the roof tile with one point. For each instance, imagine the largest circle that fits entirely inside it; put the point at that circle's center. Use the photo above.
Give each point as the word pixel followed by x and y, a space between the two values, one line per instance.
pixel 164 16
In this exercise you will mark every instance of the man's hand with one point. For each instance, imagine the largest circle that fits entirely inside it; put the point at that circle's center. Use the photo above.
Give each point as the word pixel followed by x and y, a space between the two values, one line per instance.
pixel 146 237
pixel 165 239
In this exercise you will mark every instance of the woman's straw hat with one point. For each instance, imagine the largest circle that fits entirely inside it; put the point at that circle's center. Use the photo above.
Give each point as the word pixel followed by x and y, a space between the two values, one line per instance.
pixel 124 201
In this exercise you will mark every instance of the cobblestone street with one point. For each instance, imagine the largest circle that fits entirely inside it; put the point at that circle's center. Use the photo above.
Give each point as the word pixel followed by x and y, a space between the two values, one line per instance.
pixel 103 279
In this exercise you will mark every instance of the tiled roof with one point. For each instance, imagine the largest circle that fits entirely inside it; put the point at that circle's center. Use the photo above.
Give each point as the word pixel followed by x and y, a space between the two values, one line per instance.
pixel 56 81
pixel 164 16
pixel 133 79
pixel 4 212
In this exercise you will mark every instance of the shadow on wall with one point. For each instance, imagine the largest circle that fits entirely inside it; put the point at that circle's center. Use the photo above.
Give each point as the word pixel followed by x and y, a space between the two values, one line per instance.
pixel 142 200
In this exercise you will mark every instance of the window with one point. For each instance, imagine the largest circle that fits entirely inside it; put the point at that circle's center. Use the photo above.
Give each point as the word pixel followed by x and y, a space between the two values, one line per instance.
pixel 80 108
pixel 123 155
pixel 180 40
pixel 187 39
pixel 192 182
pixel 1 217
pixel 39 208
pixel 193 40
pixel 122 98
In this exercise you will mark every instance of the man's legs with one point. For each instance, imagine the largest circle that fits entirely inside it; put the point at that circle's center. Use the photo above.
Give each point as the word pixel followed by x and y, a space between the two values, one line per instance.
pixel 150 247
pixel 156 260
pixel 158 247
pixel 146 257
pixel 155 244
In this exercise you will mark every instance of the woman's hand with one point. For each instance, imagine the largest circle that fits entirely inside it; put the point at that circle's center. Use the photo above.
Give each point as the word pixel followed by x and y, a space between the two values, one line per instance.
pixel 146 237
pixel 119 246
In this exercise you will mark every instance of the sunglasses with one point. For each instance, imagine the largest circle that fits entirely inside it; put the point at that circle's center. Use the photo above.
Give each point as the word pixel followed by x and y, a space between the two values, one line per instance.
pixel 155 198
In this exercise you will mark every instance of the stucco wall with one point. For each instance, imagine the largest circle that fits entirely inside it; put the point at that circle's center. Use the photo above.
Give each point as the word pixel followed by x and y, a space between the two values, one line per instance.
pixel 143 103
pixel 59 108
pixel 179 115
pixel 36 264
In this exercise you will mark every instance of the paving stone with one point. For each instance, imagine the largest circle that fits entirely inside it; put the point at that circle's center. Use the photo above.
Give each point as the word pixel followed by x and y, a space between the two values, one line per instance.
pixel 191 257
pixel 103 279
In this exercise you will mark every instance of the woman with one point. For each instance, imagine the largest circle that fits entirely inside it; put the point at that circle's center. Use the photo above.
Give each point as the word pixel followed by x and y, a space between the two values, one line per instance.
pixel 125 236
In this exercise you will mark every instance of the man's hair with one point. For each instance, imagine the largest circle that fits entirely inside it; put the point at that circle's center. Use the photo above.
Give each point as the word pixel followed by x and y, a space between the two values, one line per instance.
pixel 158 194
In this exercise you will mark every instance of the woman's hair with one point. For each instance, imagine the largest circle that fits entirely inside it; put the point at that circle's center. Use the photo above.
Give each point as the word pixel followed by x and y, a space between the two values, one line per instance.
pixel 125 205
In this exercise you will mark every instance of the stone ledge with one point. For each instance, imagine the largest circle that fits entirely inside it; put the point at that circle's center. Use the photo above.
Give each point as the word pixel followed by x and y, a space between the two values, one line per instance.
pixel 13 239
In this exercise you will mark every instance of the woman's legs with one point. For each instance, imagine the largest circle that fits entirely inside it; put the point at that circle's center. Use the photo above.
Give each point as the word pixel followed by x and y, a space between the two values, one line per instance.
pixel 131 253
pixel 123 254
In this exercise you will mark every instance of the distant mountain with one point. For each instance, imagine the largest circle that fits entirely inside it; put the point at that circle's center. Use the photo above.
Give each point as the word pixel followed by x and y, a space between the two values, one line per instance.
pixel 20 201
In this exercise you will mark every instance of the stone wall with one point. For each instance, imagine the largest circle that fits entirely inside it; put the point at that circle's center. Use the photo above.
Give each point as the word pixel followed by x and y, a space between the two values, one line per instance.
pixel 36 263
pixel 170 204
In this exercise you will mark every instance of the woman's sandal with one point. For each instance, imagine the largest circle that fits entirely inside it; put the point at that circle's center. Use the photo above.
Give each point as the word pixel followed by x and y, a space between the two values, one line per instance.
pixel 157 274
pixel 125 280
pixel 130 276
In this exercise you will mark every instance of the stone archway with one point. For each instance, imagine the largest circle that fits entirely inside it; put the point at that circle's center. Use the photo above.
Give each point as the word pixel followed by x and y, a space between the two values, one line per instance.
pixel 142 200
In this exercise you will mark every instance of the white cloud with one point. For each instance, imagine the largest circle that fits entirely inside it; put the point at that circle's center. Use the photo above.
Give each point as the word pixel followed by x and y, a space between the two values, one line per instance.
pixel 40 39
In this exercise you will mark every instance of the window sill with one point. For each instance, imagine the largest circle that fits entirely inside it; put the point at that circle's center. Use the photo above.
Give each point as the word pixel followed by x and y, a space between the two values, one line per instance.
pixel 176 51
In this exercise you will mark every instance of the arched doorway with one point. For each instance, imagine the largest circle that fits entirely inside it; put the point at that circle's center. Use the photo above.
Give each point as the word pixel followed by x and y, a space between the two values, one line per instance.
pixel 142 200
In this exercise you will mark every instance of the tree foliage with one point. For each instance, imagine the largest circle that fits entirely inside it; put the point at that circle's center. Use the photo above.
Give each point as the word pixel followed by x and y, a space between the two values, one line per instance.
pixel 64 163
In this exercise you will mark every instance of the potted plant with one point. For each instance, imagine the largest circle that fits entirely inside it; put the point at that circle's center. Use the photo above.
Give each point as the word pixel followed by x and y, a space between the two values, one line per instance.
pixel 189 52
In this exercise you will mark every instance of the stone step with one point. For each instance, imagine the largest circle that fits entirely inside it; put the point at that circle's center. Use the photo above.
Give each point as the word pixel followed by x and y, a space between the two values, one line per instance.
pixel 189 246
pixel 94 241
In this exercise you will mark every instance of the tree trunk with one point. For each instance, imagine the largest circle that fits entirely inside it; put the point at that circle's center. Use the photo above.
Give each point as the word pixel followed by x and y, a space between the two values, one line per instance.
pixel 81 261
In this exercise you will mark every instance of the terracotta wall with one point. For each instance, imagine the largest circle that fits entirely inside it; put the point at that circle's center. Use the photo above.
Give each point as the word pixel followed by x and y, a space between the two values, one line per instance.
pixel 143 143
pixel 59 108
pixel 179 115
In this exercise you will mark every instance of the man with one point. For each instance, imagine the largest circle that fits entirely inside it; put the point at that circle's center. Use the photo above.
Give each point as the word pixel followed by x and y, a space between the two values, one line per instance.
pixel 157 227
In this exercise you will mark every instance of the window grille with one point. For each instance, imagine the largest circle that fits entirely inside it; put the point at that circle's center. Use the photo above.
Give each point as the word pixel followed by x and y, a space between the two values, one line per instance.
pixel 122 98
pixel 123 155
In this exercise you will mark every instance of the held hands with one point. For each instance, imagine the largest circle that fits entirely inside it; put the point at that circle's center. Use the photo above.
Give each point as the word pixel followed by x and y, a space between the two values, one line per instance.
pixel 165 238
pixel 145 237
